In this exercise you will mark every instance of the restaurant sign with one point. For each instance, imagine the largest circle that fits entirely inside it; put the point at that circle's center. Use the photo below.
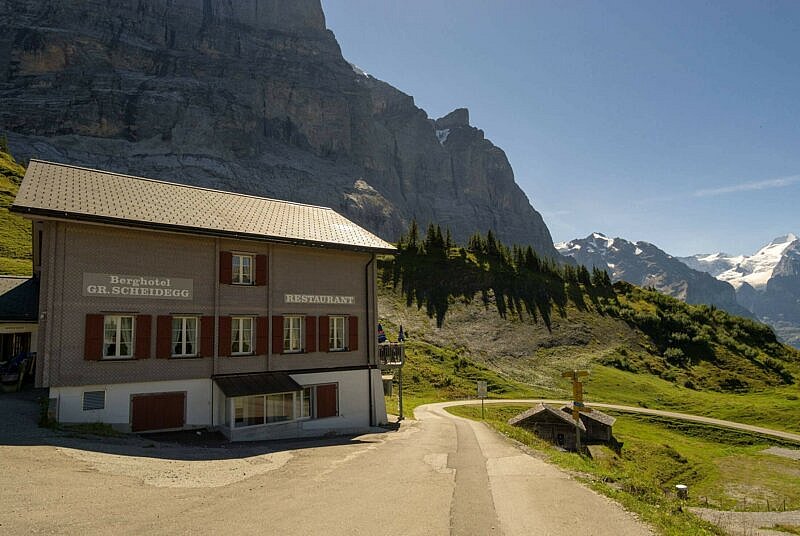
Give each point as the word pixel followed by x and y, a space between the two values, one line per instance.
pixel 319 299
pixel 137 286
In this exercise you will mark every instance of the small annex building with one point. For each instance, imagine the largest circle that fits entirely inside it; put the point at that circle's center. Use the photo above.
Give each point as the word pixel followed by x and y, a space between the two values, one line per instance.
pixel 557 426
pixel 164 306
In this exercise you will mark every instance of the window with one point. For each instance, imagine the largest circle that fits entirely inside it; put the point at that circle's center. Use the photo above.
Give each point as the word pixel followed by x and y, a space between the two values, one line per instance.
pixel 263 409
pixel 184 336
pixel 94 400
pixel 292 334
pixel 336 333
pixel 306 403
pixel 117 337
pixel 242 269
pixel 241 335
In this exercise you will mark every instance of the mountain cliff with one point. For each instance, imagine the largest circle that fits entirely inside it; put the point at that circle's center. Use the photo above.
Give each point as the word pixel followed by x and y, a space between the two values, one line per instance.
pixel 644 264
pixel 251 96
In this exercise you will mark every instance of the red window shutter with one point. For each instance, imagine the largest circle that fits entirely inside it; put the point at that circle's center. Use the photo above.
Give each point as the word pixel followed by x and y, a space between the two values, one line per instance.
pixel 164 337
pixel 277 334
pixel 225 336
pixel 324 334
pixel 93 341
pixel 352 333
pixel 311 334
pixel 261 270
pixel 262 334
pixel 327 403
pixel 225 267
pixel 141 348
pixel 207 336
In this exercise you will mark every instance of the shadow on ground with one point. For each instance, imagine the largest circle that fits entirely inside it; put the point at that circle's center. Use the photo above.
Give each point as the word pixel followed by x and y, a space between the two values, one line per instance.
pixel 19 416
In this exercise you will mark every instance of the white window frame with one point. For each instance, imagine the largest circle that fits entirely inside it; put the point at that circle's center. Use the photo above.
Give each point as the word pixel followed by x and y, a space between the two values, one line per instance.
pixel 118 337
pixel 237 346
pixel 288 330
pixel 335 345
pixel 183 342
pixel 295 416
pixel 241 276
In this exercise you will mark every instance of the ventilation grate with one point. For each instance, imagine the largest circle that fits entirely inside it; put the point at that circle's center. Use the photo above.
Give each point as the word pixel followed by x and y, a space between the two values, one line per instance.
pixel 94 400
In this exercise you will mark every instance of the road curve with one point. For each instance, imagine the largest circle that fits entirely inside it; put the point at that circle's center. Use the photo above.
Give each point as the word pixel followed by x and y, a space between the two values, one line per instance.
pixel 645 411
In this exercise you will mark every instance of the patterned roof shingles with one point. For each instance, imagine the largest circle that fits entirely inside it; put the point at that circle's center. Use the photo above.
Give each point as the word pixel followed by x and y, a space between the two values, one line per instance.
pixel 71 192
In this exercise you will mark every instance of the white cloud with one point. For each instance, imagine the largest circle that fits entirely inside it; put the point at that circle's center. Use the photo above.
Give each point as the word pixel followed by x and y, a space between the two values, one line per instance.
pixel 749 186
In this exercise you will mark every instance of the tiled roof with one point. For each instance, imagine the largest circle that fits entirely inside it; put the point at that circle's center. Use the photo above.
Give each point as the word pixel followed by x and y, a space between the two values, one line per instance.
pixel 541 408
pixel 19 299
pixel 595 415
pixel 71 192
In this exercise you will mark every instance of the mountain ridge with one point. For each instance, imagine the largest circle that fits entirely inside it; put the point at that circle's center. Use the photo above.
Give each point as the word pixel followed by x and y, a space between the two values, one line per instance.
pixel 251 96
pixel 644 264
pixel 767 282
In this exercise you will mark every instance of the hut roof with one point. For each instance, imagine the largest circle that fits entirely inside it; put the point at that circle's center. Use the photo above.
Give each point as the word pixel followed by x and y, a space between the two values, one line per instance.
pixel 594 415
pixel 541 409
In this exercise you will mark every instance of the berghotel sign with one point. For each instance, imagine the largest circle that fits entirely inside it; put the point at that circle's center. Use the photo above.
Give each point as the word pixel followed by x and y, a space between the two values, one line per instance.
pixel 137 286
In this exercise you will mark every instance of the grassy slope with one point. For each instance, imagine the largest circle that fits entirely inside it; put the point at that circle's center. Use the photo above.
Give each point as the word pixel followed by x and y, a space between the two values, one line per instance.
pixel 15 238
pixel 534 357
pixel 724 469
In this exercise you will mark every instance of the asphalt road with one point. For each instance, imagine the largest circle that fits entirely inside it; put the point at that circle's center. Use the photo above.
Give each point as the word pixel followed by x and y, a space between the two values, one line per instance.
pixel 436 475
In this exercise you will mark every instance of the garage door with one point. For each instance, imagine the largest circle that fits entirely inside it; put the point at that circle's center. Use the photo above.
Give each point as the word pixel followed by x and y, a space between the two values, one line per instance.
pixel 160 411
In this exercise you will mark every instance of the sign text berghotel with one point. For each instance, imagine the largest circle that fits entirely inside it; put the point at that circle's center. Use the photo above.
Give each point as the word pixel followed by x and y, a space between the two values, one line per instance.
pixel 313 298
pixel 137 286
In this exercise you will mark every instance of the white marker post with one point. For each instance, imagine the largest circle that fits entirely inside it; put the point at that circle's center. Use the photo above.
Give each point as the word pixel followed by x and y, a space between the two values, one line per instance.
pixel 482 391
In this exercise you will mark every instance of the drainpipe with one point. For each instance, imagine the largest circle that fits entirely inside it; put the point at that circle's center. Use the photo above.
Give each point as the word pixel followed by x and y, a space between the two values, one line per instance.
pixel 368 302
pixel 216 327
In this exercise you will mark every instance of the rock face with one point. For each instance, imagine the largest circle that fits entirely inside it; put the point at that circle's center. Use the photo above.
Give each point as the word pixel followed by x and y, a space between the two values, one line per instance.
pixel 644 264
pixel 251 96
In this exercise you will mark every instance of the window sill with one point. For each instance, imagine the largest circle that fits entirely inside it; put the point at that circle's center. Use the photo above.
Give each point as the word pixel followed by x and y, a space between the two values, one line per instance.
pixel 185 357
pixel 268 424
pixel 243 284
pixel 118 359
pixel 243 355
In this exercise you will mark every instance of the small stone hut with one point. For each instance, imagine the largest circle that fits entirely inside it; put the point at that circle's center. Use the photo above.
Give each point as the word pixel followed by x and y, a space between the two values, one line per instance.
pixel 556 425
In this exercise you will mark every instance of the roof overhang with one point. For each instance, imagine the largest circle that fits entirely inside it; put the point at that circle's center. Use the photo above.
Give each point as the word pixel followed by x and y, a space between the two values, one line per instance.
pixel 259 383
pixel 137 224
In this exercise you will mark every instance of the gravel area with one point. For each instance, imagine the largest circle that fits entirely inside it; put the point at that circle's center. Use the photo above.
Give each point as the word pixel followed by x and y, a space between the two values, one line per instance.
pixel 792 454
pixel 749 523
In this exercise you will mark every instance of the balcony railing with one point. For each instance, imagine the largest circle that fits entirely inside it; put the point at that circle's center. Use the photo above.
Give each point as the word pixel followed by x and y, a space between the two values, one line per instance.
pixel 391 354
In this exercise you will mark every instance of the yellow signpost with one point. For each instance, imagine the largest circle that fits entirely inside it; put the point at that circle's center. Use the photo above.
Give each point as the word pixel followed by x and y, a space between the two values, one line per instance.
pixel 577 401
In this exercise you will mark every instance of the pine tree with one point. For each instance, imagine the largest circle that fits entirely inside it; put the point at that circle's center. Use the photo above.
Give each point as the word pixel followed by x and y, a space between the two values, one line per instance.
pixel 413 236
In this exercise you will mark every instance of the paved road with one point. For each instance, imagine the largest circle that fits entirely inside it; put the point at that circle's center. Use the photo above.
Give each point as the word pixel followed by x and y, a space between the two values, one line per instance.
pixel 657 412
pixel 523 495
pixel 437 475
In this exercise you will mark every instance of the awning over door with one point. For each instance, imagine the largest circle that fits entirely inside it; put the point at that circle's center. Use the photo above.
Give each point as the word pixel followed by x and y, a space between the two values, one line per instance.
pixel 260 383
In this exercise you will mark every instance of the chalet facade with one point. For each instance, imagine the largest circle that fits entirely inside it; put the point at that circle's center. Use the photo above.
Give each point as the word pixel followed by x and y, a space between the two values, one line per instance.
pixel 165 306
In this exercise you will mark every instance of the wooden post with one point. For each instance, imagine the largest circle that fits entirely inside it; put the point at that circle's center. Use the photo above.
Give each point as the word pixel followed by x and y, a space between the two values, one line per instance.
pixel 400 392
pixel 577 401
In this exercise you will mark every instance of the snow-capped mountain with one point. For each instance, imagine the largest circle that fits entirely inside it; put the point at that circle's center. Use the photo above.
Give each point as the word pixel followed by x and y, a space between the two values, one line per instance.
pixel 644 264
pixel 767 283
pixel 755 270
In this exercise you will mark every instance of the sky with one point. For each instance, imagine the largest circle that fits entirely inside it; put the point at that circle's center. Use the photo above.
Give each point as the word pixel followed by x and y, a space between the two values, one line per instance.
pixel 676 123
